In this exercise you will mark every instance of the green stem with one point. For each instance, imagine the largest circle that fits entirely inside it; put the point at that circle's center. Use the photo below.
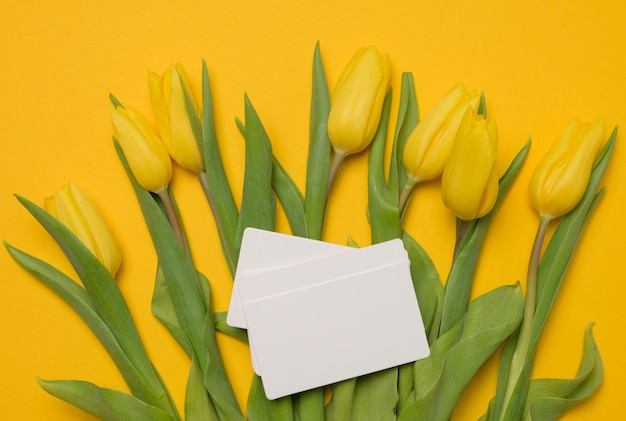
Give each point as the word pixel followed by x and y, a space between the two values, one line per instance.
pixel 334 167
pixel 522 348
pixel 172 217
pixel 460 234
pixel 228 253
pixel 405 194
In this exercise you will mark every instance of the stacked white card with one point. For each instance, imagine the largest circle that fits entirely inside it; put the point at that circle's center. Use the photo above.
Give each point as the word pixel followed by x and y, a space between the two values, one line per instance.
pixel 318 313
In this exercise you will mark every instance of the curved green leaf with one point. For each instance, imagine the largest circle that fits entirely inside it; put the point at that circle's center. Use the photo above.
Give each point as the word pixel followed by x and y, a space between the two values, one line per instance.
pixel 218 190
pixel 107 301
pixel 106 404
pixel 457 355
pixel 427 284
pixel 408 117
pixel 549 399
pixel 290 198
pixel 77 298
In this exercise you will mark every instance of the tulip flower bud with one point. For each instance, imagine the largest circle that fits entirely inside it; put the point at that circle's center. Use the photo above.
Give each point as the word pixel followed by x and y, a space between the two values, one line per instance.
pixel 167 94
pixel 76 211
pixel 146 155
pixel 429 145
pixel 469 185
pixel 357 101
pixel 561 178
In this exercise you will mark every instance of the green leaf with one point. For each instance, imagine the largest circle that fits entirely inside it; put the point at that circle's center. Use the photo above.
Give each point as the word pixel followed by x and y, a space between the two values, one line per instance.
pixel 257 202
pixel 234 332
pixel 262 409
pixel 339 408
pixel 382 206
pixel 319 151
pixel 217 188
pixel 290 198
pixel 106 404
pixel 76 297
pixel 549 399
pixel 408 117
pixel 179 274
pixel 460 278
pixel 458 354
pixel 215 378
pixel 107 301
pixel 198 404
pixel 428 287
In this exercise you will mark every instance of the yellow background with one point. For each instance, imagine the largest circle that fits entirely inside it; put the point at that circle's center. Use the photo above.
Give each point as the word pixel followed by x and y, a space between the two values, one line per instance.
pixel 539 63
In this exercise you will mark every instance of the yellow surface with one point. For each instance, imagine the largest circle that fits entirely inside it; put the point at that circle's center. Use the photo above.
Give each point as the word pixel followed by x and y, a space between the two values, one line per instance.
pixel 540 64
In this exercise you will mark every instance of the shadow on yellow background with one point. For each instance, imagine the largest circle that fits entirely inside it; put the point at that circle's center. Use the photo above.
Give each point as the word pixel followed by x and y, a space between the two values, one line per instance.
pixel 539 66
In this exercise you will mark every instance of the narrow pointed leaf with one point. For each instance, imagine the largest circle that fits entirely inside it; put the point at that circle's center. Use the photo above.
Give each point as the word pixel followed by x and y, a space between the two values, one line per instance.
pixel 408 117
pixel 234 332
pixel 76 297
pixel 106 404
pixel 319 151
pixel 107 300
pixel 290 198
pixel 225 209
pixel 257 202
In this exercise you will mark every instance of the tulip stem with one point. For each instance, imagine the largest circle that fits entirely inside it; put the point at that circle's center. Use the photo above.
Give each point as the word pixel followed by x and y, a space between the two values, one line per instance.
pixel 334 167
pixel 405 194
pixel 173 217
pixel 521 353
pixel 460 234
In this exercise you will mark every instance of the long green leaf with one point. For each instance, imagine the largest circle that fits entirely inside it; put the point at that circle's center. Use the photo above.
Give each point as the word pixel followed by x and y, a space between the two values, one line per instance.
pixel 382 206
pixel 460 278
pixel 198 404
pixel 408 117
pixel 179 274
pixel 319 151
pixel 164 310
pixel 224 208
pixel 216 380
pixel 290 198
pixel 106 404
pixel 427 285
pixel 107 300
pixel 549 399
pixel 457 355
pixel 76 297
pixel 257 202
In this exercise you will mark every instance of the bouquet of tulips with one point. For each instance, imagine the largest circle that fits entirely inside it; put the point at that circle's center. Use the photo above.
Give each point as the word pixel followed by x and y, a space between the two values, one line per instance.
pixel 455 140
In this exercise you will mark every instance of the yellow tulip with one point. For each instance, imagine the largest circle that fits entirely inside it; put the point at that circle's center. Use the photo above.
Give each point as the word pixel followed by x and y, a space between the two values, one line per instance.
pixel 167 94
pixel 469 185
pixel 429 145
pixel 147 157
pixel 357 101
pixel 76 211
pixel 560 179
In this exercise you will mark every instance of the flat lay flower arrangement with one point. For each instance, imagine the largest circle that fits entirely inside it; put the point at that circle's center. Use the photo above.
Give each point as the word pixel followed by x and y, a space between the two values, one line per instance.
pixel 456 141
